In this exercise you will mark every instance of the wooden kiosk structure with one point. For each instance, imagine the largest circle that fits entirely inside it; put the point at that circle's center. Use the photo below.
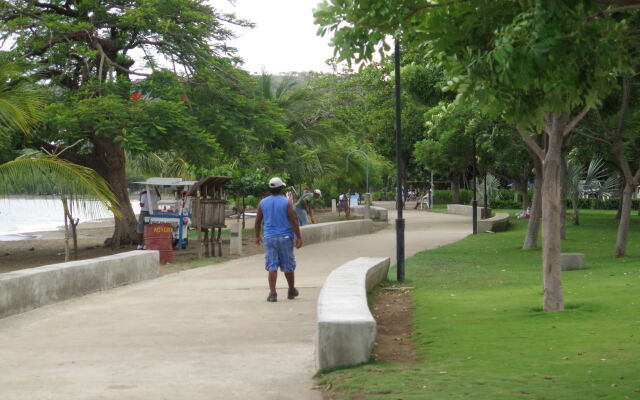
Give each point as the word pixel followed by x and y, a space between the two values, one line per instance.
pixel 208 213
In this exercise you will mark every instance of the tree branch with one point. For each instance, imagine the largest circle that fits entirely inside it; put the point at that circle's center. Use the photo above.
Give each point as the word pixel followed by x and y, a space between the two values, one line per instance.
pixel 57 9
pixel 603 125
pixel 620 9
pixel 599 139
pixel 537 150
pixel 624 103
pixel 87 160
pixel 114 64
pixel 571 125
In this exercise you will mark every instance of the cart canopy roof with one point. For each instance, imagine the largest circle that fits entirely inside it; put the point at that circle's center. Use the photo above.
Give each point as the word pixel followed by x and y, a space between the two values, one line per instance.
pixel 210 182
pixel 162 181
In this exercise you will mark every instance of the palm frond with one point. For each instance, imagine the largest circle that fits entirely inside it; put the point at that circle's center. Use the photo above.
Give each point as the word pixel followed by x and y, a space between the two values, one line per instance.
pixel 595 171
pixel 574 173
pixel 611 184
pixel 82 184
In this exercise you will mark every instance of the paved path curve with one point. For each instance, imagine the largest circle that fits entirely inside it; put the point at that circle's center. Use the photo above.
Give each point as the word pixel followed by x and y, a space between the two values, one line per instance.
pixel 206 333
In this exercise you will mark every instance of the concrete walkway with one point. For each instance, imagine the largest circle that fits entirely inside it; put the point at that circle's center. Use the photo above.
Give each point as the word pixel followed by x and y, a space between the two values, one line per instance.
pixel 206 333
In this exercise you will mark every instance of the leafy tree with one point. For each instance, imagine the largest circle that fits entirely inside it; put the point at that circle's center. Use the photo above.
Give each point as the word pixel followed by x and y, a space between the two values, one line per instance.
pixel 531 63
pixel 448 148
pixel 616 124
pixel 85 49
pixel 20 112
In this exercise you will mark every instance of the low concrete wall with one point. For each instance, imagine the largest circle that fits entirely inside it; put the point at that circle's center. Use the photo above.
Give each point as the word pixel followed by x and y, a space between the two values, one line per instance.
pixel 497 223
pixel 317 233
pixel 460 209
pixel 377 213
pixel 26 289
pixel 572 261
pixel 346 328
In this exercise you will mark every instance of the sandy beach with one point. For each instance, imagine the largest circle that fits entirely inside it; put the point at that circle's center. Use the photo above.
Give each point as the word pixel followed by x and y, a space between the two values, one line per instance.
pixel 48 248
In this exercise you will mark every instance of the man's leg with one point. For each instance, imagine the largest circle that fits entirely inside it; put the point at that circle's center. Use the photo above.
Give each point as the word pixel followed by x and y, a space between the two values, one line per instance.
pixel 302 216
pixel 271 265
pixel 288 260
pixel 273 277
pixel 290 279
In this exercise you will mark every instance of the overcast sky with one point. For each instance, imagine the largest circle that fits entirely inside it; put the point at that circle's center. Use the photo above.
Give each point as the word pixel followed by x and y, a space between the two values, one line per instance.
pixel 284 38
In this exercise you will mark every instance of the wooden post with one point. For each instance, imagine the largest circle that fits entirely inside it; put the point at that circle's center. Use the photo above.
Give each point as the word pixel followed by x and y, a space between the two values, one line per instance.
pixel 198 219
pixel 235 244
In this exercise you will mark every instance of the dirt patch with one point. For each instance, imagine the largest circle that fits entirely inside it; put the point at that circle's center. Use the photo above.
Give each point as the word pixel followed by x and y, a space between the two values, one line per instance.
pixel 391 307
pixel 48 248
pixel 393 310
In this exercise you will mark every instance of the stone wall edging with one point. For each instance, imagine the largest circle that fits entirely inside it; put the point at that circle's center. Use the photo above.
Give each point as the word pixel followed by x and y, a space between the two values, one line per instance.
pixel 346 330
pixel 497 223
pixel 317 233
pixel 26 289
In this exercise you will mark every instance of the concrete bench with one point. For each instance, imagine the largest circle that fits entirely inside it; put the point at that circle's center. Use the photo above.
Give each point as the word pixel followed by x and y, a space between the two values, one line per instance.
pixel 497 223
pixel 26 289
pixel 317 233
pixel 571 261
pixel 346 328
pixel 460 209
pixel 377 213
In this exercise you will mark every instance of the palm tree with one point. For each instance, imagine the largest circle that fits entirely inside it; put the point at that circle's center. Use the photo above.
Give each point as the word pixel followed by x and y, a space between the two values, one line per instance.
pixel 577 179
pixel 310 135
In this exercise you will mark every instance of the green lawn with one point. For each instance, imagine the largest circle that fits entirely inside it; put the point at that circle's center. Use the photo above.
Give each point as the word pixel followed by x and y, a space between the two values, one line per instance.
pixel 481 334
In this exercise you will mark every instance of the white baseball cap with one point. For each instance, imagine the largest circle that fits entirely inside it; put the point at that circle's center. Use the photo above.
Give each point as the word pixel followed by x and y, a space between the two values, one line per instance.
pixel 276 182
pixel 318 192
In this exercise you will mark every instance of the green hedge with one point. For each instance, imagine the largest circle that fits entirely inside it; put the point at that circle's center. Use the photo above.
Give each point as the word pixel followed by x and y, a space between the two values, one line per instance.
pixel 505 204
pixel 585 204
pixel 383 196
pixel 444 196
pixel 608 204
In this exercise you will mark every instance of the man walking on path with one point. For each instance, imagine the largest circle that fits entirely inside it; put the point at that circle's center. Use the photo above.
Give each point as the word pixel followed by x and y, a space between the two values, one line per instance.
pixel 303 207
pixel 280 225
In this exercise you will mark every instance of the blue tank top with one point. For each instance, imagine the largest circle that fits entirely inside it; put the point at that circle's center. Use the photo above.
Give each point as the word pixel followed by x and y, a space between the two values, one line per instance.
pixel 276 220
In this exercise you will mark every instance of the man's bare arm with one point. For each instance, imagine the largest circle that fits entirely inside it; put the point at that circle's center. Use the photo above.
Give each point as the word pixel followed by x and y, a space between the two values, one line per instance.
pixel 294 224
pixel 258 224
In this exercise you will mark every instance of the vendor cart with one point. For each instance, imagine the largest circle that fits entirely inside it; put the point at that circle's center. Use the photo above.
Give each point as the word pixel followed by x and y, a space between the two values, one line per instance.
pixel 175 210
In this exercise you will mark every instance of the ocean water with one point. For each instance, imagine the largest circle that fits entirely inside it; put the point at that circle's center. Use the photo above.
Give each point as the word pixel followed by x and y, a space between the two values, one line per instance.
pixel 35 214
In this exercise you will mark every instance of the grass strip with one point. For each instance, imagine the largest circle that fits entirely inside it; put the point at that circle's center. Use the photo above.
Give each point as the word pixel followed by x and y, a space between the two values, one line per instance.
pixel 481 334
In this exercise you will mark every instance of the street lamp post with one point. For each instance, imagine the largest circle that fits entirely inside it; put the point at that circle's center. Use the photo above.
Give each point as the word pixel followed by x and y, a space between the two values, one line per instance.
pixel 399 181
pixel 486 196
pixel 474 203
pixel 366 158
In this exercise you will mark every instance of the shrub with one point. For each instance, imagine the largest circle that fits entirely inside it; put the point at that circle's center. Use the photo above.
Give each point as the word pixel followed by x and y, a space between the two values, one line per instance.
pixel 508 203
pixel 444 196
pixel 609 204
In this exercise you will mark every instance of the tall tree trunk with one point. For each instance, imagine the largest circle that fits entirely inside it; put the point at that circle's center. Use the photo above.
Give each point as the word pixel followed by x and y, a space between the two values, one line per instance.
pixel 576 209
pixel 563 196
pixel 625 217
pixel 109 162
pixel 551 212
pixel 455 188
pixel 65 206
pixel 531 238
pixel 620 196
